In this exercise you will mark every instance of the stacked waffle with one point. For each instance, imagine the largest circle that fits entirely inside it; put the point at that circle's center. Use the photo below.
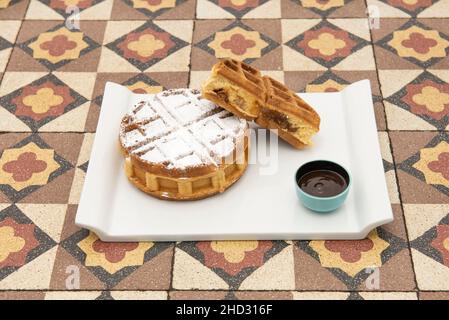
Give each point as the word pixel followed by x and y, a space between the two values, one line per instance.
pixel 181 144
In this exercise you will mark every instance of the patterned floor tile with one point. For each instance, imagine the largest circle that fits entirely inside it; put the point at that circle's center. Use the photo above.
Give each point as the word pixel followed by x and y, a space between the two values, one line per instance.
pixel 151 46
pixel 389 295
pixel 13 9
pixel 123 266
pixel 48 217
pixel 343 265
pixel 340 44
pixel 404 8
pixel 334 80
pixel 433 295
pixel 276 274
pixel 38 168
pixel 390 174
pixel 39 10
pixel 330 80
pixel 104 295
pixel 198 295
pixel 421 158
pixel 233 265
pixel 422 217
pixel 263 295
pixel 420 103
pixel 317 8
pixel 42 101
pixel 61 9
pixel 23 243
pixel 161 10
pixel 197 78
pixel 139 295
pixel 151 82
pixel 253 41
pixel 320 295
pixel 8 34
pixel 230 295
pixel 11 81
pixel 44 45
pixel 411 44
pixel 141 83
pixel 22 295
pixel 428 227
pixel 93 116
pixel 230 9
pixel 72 295
pixel 81 168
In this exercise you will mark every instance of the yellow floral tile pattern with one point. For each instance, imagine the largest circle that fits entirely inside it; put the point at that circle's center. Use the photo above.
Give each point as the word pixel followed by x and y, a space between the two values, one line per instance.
pixel 418 43
pixel 351 256
pixel 434 164
pixel 238 43
pixel 113 257
pixel 27 166
pixel 153 6
pixel 58 45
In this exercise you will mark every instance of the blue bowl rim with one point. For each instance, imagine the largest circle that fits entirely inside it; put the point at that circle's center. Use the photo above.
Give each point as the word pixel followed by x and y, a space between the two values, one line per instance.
pixel 323 198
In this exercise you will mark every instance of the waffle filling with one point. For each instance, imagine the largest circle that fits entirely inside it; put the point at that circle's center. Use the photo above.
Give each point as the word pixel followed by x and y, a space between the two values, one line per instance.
pixel 232 94
pixel 278 118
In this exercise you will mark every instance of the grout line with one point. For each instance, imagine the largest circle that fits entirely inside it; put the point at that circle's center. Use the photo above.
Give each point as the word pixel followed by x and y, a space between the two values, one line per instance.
pixel 170 286
pixel 191 53
pixel 392 154
pixel 403 212
pixel 377 71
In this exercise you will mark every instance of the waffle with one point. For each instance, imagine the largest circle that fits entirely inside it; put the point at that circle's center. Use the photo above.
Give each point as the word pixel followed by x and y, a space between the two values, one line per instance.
pixel 241 89
pixel 179 146
pixel 296 122
pixel 237 87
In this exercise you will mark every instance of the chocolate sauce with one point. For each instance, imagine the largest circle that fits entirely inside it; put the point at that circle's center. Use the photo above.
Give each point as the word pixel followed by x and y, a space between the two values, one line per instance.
pixel 322 183
pixel 279 118
pixel 221 93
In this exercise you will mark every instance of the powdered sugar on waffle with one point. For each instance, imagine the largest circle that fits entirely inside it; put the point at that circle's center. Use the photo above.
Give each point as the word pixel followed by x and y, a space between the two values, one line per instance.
pixel 179 129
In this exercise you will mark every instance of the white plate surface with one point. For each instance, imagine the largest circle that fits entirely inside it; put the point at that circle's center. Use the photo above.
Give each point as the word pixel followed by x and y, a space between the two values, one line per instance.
pixel 260 205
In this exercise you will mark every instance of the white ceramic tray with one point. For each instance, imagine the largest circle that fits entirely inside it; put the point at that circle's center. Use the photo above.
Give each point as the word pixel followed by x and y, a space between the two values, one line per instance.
pixel 260 205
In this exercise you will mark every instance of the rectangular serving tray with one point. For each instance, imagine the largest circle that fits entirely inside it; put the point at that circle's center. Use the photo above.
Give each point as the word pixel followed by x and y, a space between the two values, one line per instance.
pixel 260 206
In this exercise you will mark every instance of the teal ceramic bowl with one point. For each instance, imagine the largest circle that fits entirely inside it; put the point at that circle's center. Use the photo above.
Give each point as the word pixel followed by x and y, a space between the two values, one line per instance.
pixel 318 203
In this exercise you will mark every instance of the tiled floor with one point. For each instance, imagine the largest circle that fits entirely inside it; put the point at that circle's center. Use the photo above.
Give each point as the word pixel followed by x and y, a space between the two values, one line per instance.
pixel 52 78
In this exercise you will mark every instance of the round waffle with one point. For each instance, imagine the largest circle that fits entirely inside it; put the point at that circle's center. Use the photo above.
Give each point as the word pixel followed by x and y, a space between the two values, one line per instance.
pixel 179 146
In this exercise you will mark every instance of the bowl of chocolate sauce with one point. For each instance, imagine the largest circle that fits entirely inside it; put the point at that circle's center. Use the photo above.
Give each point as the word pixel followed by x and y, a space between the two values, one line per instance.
pixel 322 185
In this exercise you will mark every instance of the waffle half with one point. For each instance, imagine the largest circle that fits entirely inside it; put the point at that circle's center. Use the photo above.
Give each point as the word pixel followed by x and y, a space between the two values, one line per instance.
pixel 237 87
pixel 179 146
pixel 242 90
pixel 296 122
